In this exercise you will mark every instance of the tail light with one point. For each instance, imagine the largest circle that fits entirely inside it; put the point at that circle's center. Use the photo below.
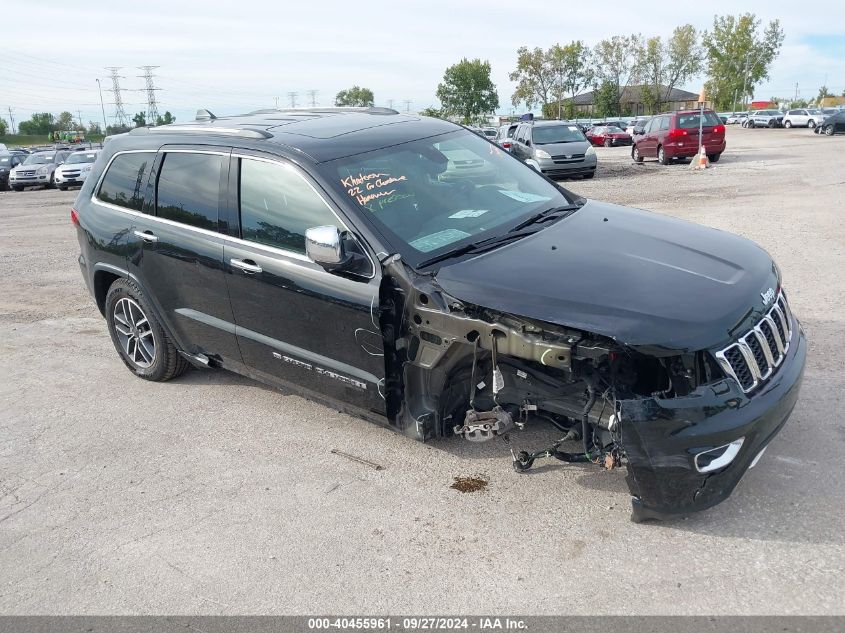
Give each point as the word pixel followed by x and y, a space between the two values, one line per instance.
pixel 506 144
pixel 719 129
pixel 678 133
pixel 74 217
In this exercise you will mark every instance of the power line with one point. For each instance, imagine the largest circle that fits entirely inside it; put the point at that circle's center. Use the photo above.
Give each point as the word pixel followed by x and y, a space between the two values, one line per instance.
pixel 152 106
pixel 120 117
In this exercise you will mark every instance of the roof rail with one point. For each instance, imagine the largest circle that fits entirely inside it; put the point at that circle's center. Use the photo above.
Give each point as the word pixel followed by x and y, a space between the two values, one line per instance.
pixel 327 110
pixel 212 129
pixel 204 115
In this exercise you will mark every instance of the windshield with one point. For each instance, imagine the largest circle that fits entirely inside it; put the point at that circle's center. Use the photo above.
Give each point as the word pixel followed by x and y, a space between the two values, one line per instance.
pixel 548 134
pixel 81 157
pixel 39 159
pixel 5 160
pixel 432 195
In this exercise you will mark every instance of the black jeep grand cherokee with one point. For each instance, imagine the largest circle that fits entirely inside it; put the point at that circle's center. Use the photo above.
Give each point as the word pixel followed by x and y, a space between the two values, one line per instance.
pixel 405 269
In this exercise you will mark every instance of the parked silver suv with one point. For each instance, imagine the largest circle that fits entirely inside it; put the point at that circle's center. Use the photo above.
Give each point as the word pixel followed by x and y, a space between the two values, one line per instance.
pixel 765 118
pixel 38 169
pixel 803 117
pixel 557 149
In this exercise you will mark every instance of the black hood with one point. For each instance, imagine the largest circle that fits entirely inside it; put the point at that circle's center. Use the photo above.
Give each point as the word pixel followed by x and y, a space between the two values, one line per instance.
pixel 642 278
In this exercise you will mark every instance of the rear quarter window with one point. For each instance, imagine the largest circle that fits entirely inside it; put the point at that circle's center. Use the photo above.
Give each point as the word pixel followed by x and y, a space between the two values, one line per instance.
pixel 124 180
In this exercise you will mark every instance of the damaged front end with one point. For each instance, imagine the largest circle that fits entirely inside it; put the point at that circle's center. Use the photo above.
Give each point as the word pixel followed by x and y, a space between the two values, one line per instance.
pixel 682 422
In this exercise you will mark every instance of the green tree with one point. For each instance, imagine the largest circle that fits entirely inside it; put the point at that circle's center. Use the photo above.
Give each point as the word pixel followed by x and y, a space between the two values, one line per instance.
pixel 4 127
pixel 94 128
pixel 606 99
pixel 572 63
pixel 823 93
pixel 167 119
pixel 535 76
pixel 140 119
pixel 616 62
pixel 739 56
pixel 467 90
pixel 435 112
pixel 662 66
pixel 355 97
pixel 39 123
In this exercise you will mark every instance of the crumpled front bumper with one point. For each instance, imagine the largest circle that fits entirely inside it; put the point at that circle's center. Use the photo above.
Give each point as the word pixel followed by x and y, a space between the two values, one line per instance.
pixel 662 437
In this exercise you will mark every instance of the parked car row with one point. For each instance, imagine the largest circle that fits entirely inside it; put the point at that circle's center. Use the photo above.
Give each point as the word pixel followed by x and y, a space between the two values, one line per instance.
pixel 49 169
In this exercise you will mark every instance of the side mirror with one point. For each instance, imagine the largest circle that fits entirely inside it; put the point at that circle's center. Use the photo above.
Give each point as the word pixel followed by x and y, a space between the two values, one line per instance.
pixel 528 142
pixel 323 246
pixel 336 251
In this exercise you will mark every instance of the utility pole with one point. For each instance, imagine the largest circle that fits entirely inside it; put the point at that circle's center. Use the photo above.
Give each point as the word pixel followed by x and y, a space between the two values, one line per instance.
pixel 12 119
pixel 120 117
pixel 312 96
pixel 796 91
pixel 79 114
pixel 292 96
pixel 277 102
pixel 150 89
pixel 102 105
pixel 407 103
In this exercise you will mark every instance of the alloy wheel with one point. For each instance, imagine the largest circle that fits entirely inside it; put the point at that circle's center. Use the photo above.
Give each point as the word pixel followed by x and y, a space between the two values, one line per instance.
pixel 134 332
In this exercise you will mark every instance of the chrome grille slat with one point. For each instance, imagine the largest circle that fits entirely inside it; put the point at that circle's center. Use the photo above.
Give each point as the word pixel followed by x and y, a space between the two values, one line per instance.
pixel 755 356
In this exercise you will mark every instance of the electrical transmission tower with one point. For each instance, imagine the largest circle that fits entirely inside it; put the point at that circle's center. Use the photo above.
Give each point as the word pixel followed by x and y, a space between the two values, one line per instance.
pixel 292 97
pixel 407 103
pixel 150 89
pixel 119 116
pixel 312 96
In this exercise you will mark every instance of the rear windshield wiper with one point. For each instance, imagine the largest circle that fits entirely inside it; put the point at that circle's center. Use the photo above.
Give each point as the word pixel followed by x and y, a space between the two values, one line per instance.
pixel 554 213
pixel 477 247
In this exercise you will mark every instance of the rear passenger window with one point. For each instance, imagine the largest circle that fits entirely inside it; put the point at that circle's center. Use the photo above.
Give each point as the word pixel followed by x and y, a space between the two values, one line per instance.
pixel 123 184
pixel 189 189
pixel 278 205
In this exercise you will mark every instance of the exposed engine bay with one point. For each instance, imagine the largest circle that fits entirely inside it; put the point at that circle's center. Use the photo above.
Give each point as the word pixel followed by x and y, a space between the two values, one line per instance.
pixel 459 369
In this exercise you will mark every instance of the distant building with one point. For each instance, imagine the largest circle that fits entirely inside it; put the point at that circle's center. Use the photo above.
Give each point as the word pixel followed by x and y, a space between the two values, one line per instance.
pixel 829 102
pixel 632 102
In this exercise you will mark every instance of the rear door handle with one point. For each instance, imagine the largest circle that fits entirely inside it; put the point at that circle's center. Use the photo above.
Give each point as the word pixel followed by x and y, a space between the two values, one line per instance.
pixel 147 236
pixel 246 265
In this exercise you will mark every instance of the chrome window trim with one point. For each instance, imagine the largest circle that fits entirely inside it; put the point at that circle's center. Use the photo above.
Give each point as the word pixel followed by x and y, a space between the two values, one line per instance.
pixel 222 236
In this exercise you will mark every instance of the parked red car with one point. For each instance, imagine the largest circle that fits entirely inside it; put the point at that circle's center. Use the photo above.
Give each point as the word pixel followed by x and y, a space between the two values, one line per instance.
pixel 608 135
pixel 675 135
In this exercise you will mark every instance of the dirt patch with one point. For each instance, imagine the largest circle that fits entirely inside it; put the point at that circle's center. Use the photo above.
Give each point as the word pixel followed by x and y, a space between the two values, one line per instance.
pixel 470 484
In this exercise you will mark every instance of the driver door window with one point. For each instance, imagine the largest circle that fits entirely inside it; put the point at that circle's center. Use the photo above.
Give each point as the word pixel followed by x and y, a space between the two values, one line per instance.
pixel 277 205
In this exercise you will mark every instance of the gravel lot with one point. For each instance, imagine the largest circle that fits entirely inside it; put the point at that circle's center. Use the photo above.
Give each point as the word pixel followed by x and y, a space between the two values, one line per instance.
pixel 214 494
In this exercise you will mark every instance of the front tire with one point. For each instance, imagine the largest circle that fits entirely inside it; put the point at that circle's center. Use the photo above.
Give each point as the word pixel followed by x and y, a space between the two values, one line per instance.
pixel 608 142
pixel 635 155
pixel 661 156
pixel 828 130
pixel 18 188
pixel 63 187
pixel 138 337
pixel 773 124
pixel 811 124
pixel 589 175
pixel 787 125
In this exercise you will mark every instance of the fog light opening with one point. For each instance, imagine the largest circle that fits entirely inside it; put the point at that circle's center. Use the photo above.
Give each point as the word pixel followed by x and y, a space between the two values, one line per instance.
pixel 716 458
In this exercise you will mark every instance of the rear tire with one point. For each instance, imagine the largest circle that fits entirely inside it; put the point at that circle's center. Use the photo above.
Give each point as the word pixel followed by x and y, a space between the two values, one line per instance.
pixel 773 124
pixel 828 129
pixel 635 155
pixel 811 124
pixel 661 156
pixel 787 125
pixel 138 337
pixel 608 142
pixel 714 158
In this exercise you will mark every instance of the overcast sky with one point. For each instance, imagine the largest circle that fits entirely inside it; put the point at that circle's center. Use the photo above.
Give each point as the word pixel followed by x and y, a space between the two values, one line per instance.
pixel 235 56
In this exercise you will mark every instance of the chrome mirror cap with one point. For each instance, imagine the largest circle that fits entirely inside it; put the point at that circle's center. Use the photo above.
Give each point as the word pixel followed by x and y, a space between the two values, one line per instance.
pixel 323 245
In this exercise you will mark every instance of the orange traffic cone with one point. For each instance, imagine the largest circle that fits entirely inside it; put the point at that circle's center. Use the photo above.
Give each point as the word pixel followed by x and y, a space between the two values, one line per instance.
pixel 700 161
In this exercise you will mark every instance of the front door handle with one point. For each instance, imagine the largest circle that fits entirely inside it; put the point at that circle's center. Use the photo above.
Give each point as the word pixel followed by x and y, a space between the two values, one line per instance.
pixel 147 236
pixel 246 265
